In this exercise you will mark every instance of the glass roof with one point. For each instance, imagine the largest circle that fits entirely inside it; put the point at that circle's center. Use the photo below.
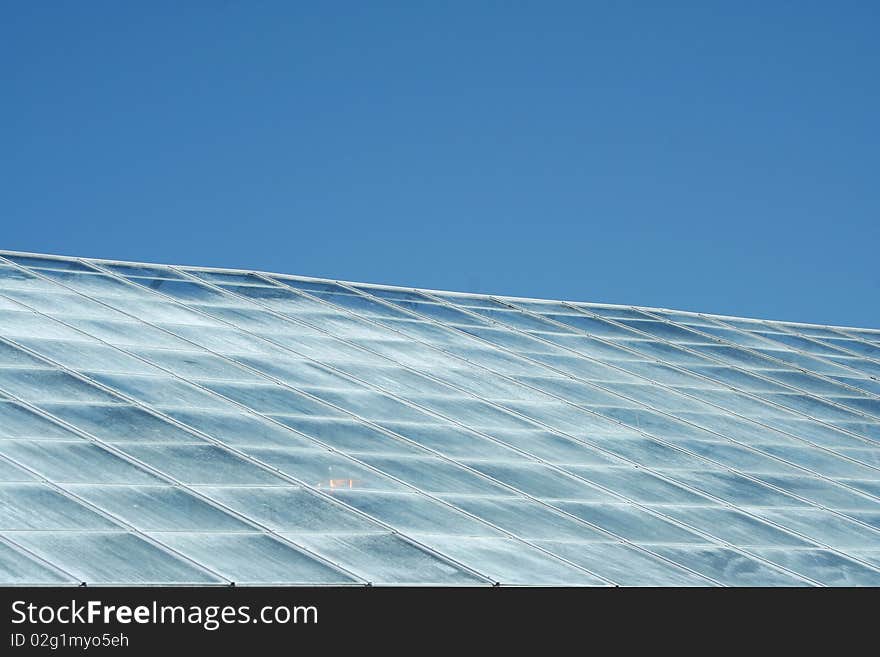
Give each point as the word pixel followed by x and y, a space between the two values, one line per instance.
pixel 177 425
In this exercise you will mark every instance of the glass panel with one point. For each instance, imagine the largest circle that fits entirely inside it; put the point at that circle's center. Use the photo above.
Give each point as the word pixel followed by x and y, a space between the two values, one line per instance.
pixel 85 356
pixel 865 385
pixel 560 416
pixel 253 559
pixel 824 567
pixel 613 312
pixel 871 557
pixel 737 357
pixel 669 353
pixel 75 462
pixel 496 361
pixel 11 356
pixel 125 334
pixel 161 391
pixel 872 486
pixel 351 301
pixel 825 493
pixel 811 406
pixel 734 336
pixel 516 319
pixel 670 332
pixel 590 347
pixel 509 562
pixel 661 373
pixel 350 436
pixel 215 338
pixel 435 475
pixel 324 349
pixel 295 371
pixel 61 305
pixel 160 508
pixel 139 270
pixel 119 423
pixel 868 456
pixel 740 379
pixel 513 341
pixel 865 404
pixel 196 365
pixel 16 421
pixel 273 399
pixel 728 426
pixel 667 400
pixel 412 513
pixel 650 453
pixel 637 485
pixel 822 462
pixel 161 311
pixel 736 489
pixel 803 361
pixel 95 285
pixel 323 469
pixel 527 519
pixel 47 262
pixel 239 428
pixel 12 473
pixel 369 405
pixel 290 508
pixel 431 333
pixel 536 480
pixel 390 294
pixel 50 385
pixel 592 326
pixel 625 565
pixel 200 464
pixel 655 424
pixel 728 567
pixel 482 383
pixel 854 346
pixel 216 276
pixel 871 518
pixel 17 569
pixel 182 290
pixel 36 506
pixel 733 526
pixel 448 439
pixel 308 286
pixel 576 392
pixel 554 448
pixel 742 458
pixel 870 430
pixel 824 527
pixel 14 279
pixel 798 342
pixel 441 313
pixel 386 559
pixel 471 412
pixel 630 522
pixel 397 380
pixel 271 295
pixel 112 558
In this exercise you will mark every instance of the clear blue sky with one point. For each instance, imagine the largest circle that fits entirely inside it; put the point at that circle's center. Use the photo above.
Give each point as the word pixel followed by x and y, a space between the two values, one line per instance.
pixel 720 157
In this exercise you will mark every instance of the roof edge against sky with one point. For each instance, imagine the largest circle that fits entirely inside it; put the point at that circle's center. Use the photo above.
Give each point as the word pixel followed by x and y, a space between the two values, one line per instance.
pixel 383 286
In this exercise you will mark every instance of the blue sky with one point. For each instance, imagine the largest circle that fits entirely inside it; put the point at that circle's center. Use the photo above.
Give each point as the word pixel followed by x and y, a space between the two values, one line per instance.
pixel 710 156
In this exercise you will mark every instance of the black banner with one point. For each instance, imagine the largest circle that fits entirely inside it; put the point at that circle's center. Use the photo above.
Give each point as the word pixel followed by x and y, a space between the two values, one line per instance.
pixel 136 620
